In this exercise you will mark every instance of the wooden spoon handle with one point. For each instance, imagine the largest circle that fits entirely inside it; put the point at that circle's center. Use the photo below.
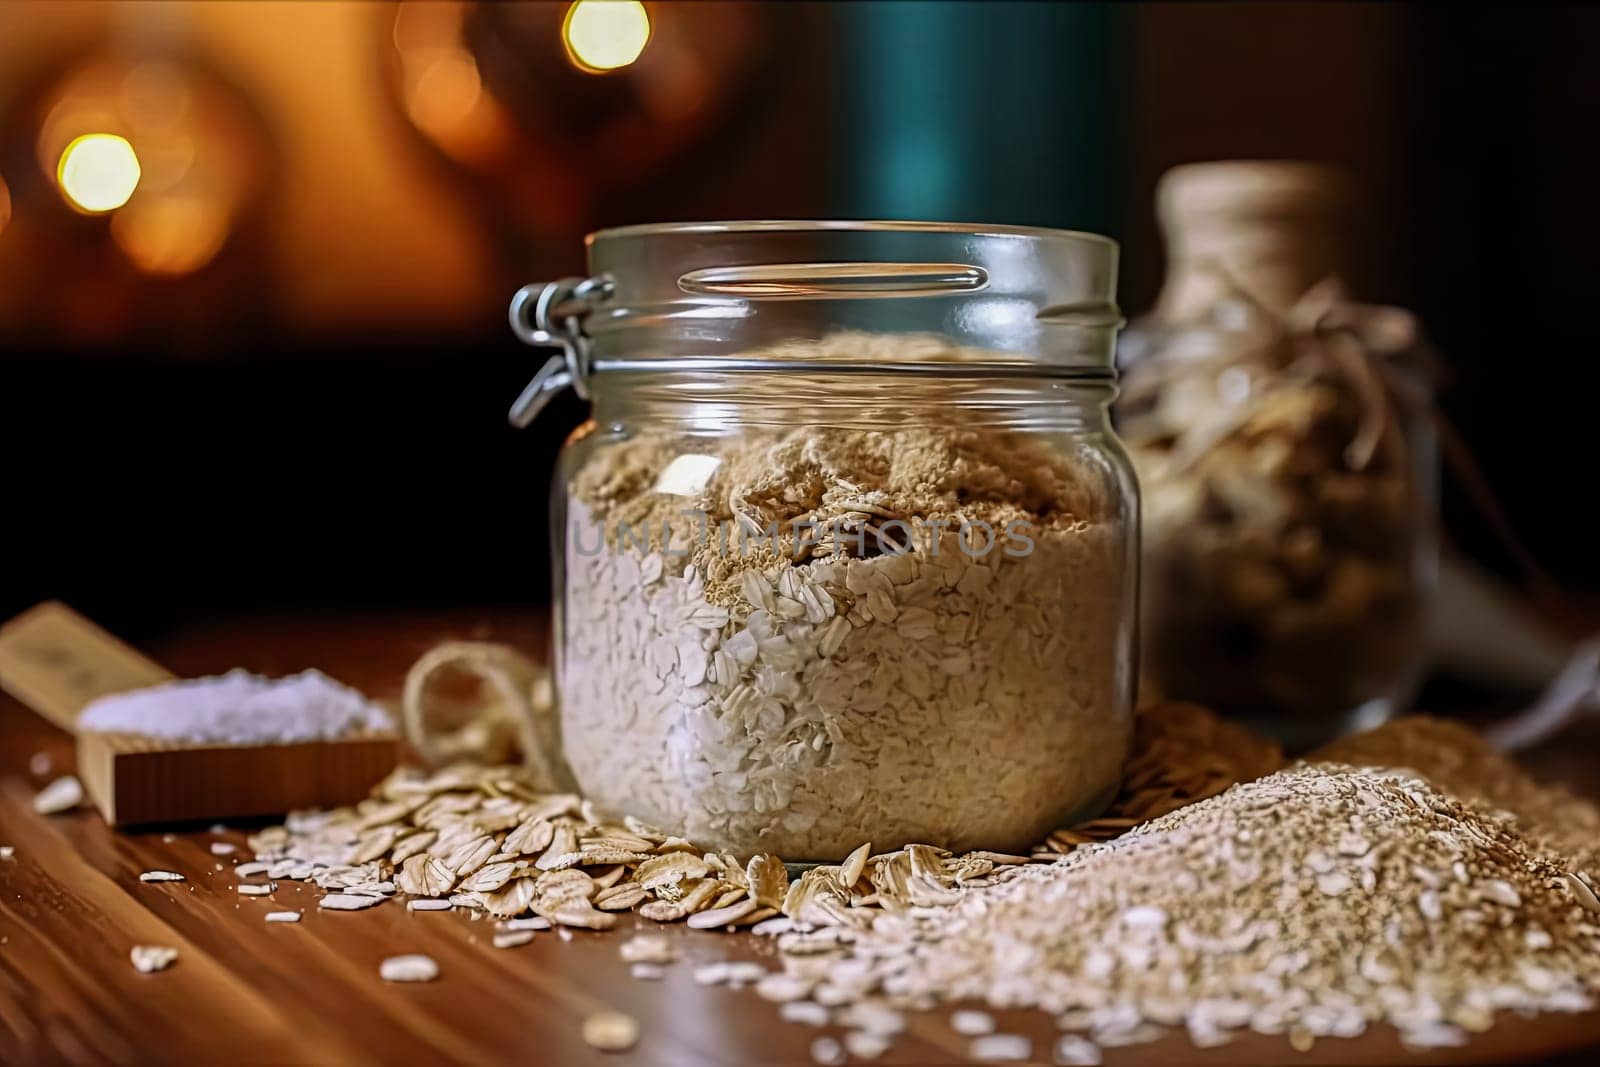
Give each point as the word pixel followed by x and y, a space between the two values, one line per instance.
pixel 56 661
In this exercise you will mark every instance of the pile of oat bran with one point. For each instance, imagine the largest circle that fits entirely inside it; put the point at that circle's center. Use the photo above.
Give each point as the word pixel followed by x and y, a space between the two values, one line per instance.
pixel 1313 902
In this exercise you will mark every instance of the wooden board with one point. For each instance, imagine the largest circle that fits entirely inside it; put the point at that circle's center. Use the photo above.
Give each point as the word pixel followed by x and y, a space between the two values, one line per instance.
pixel 137 780
pixel 243 991
pixel 56 661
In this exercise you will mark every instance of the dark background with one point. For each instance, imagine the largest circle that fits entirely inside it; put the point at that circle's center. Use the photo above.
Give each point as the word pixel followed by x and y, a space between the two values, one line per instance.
pixel 315 417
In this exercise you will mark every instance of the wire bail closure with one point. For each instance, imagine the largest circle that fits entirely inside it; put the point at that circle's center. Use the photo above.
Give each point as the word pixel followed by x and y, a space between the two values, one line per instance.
pixel 550 315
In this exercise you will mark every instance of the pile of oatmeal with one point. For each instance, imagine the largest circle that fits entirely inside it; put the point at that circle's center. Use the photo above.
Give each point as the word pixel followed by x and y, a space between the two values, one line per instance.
pixel 1313 902
pixel 1222 893
pixel 790 639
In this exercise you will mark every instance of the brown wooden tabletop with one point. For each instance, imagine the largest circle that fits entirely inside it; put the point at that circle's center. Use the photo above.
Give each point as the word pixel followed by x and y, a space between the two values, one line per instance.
pixel 243 990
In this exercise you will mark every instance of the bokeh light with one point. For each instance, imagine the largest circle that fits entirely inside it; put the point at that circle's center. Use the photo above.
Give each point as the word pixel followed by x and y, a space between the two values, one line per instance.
pixel 169 152
pixel 604 35
pixel 170 233
pixel 445 91
pixel 98 172
pixel 441 87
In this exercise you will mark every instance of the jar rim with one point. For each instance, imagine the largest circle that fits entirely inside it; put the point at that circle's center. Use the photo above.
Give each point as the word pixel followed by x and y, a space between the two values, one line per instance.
pixel 671 295
pixel 976 229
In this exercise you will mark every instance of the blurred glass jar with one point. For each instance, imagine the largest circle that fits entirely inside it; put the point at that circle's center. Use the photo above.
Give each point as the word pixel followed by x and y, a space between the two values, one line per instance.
pixel 1284 441
pixel 847 551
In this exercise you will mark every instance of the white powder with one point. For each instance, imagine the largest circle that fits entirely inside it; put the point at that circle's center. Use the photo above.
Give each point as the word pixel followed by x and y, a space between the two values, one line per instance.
pixel 239 708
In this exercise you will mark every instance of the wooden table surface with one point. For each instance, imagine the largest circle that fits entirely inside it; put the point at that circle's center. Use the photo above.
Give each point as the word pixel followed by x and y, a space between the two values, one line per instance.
pixel 71 907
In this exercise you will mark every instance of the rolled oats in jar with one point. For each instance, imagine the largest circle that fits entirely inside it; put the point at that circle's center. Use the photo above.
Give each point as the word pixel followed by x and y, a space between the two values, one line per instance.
pixel 847 549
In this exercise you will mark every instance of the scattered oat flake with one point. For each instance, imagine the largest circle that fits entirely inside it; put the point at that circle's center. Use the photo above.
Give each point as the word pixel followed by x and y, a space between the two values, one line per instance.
pixel 779 987
pixel 283 916
pixel 1073 1050
pixel 647 971
pixel 410 968
pixel 1000 1048
pixel 151 958
pixel 969 1023
pixel 806 1012
pixel 63 794
pixel 247 889
pixel 223 848
pixel 743 972
pixel 768 880
pixel 648 948
pixel 725 916
pixel 854 864
pixel 40 764
pixel 245 870
pixel 348 902
pixel 424 904
pixel 865 1045
pixel 711 973
pixel 512 938
pixel 161 876
pixel 611 1031
pixel 828 1051
pixel 1433 1035
pixel 7 851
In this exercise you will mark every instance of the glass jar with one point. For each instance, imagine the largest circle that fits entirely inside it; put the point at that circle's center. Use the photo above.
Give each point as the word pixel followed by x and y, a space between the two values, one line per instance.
pixel 1284 440
pixel 847 551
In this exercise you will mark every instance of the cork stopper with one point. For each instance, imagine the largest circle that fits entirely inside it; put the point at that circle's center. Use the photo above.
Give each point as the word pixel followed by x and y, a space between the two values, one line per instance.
pixel 1272 227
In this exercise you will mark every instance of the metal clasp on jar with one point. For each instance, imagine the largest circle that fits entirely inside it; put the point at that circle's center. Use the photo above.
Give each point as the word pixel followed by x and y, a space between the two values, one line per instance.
pixel 550 315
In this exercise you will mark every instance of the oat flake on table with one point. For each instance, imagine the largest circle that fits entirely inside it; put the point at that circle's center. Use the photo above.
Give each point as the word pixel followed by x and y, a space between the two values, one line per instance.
pixel 61 795
pixel 148 959
pixel 348 902
pixel 611 1031
pixel 972 1023
pixel 1313 902
pixel 513 938
pixel 414 967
